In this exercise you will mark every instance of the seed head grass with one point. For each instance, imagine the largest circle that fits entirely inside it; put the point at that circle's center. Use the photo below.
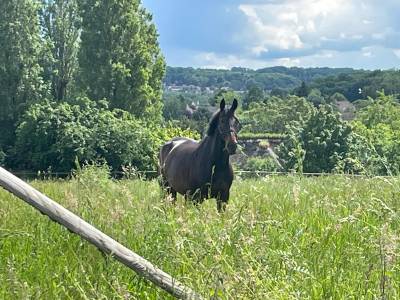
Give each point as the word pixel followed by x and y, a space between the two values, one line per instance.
pixel 282 237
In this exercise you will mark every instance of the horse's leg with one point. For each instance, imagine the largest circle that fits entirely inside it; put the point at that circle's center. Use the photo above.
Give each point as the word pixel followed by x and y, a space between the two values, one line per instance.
pixel 195 197
pixel 169 190
pixel 222 200
pixel 172 192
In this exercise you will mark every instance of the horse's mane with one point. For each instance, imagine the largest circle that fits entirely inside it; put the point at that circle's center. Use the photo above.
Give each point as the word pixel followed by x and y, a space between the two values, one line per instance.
pixel 213 123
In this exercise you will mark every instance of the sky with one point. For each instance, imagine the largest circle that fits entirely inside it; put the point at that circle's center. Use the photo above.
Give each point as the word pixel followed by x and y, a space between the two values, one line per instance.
pixel 362 34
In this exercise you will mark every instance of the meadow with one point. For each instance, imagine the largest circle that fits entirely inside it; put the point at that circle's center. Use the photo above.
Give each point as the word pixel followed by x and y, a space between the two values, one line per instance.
pixel 282 237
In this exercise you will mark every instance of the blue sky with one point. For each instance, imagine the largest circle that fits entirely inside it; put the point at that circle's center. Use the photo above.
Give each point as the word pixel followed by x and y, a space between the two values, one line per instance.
pixel 261 33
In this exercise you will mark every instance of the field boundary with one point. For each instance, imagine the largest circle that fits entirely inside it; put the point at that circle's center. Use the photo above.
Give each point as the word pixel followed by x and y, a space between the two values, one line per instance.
pixel 239 172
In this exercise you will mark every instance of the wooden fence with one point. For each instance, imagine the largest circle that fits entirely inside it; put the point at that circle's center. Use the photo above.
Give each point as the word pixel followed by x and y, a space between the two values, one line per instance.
pixel 103 242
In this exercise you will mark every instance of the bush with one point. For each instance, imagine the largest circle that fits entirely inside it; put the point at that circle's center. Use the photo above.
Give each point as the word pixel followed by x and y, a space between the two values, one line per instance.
pixel 275 115
pixel 266 163
pixel 318 144
pixel 379 125
pixel 57 136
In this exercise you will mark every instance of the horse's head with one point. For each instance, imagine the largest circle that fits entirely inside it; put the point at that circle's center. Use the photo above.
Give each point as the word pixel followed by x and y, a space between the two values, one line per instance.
pixel 228 126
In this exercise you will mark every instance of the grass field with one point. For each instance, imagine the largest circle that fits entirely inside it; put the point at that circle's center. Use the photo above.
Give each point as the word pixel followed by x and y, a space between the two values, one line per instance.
pixel 281 238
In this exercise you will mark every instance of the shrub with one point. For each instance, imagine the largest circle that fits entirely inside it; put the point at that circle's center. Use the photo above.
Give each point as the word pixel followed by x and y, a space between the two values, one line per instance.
pixel 378 124
pixel 275 114
pixel 60 135
pixel 266 163
pixel 318 144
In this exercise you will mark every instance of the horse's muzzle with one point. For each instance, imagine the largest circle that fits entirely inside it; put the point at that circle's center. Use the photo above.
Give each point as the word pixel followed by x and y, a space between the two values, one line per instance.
pixel 231 143
pixel 232 148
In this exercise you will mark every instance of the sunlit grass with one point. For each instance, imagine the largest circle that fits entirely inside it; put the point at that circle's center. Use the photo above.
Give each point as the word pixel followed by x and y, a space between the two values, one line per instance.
pixel 281 238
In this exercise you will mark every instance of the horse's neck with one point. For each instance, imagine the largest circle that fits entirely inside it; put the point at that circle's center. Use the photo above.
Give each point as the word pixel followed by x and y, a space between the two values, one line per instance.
pixel 211 152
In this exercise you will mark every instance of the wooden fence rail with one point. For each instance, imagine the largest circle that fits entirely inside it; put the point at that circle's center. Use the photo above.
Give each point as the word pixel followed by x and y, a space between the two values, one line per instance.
pixel 61 215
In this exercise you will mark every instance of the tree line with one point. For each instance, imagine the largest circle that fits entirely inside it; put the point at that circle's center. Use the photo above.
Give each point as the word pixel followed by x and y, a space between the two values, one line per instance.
pixel 240 79
pixel 281 81
pixel 79 81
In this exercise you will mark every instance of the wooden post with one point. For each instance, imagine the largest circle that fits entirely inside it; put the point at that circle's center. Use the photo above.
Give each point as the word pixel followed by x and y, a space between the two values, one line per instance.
pixel 103 242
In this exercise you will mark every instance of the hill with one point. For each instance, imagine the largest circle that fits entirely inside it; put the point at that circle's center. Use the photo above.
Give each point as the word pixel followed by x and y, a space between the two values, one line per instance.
pixel 240 78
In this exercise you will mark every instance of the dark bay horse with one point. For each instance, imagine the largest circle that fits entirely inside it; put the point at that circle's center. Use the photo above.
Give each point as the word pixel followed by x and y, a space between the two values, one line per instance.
pixel 201 170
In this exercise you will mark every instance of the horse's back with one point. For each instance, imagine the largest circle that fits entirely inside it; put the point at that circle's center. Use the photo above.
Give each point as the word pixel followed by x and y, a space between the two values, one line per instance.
pixel 176 161
pixel 169 146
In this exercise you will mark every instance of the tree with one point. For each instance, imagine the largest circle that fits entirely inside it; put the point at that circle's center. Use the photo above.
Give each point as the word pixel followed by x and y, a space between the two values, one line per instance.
pixel 20 73
pixel 254 94
pixel 120 59
pixel 337 97
pixel 275 115
pixel 302 91
pixel 379 124
pixel 220 94
pixel 382 110
pixel 317 145
pixel 60 23
pixel 278 92
pixel 315 97
pixel 174 106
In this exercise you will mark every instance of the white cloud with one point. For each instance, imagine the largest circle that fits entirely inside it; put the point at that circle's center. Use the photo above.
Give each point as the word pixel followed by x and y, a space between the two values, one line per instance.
pixel 212 60
pixel 284 25
pixel 261 33
pixel 288 62
pixel 312 25
pixel 283 37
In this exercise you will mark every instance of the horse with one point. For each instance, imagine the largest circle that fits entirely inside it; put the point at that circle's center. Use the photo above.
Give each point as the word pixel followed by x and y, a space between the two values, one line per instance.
pixel 201 170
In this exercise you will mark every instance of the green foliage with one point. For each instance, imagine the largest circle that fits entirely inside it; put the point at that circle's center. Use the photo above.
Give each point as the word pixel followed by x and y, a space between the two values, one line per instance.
pixel 170 130
pixel 383 110
pixel 174 106
pixel 198 122
pixel 379 124
pixel 282 237
pixel 352 84
pixel 260 164
pixel 120 58
pixel 2 158
pixel 226 94
pixel 337 97
pixel 325 143
pixel 94 174
pixel 274 115
pixel 58 135
pixel 318 144
pixel 60 24
pixel 260 135
pixel 175 109
pixel 254 94
pixel 20 73
pixel 315 97
pixel 302 91
pixel 239 79
pixel 359 84
pixel 363 156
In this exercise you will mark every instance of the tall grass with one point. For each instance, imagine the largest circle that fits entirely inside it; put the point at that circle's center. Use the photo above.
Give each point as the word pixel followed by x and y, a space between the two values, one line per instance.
pixel 281 238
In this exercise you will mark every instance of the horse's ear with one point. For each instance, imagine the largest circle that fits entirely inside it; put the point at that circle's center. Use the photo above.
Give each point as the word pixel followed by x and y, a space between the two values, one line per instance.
pixel 222 104
pixel 234 105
